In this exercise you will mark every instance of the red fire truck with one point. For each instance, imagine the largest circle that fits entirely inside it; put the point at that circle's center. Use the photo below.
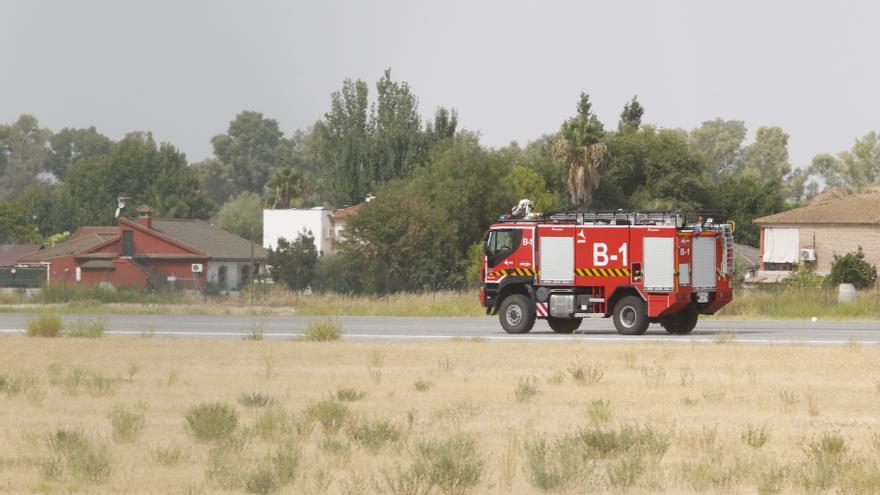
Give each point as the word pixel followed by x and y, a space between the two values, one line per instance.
pixel 639 267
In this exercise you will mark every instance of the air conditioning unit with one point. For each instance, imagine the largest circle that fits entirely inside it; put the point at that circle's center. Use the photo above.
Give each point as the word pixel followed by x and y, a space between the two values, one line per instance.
pixel 808 255
pixel 197 268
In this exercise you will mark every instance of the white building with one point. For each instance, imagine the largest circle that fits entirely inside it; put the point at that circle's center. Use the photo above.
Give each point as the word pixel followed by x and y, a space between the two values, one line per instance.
pixel 291 222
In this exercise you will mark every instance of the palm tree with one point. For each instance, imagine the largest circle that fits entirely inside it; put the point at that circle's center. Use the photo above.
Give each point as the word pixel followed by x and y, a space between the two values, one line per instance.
pixel 579 145
pixel 287 184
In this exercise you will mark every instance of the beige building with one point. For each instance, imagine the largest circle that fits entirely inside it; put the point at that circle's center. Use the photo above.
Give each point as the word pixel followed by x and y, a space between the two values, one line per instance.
pixel 816 232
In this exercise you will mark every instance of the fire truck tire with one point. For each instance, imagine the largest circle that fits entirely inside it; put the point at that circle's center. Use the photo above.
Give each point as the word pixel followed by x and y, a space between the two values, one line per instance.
pixel 563 325
pixel 681 323
pixel 517 314
pixel 631 316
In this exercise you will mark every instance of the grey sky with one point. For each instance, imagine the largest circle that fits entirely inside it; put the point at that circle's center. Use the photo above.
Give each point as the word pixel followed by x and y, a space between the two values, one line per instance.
pixel 512 69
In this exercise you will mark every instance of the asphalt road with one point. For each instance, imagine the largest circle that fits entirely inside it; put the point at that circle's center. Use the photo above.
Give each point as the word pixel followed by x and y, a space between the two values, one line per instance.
pixel 426 329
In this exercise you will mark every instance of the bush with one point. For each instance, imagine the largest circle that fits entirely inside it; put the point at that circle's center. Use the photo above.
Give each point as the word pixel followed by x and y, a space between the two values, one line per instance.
pixel 45 325
pixel 453 464
pixel 169 456
pixel 803 277
pixel 88 329
pixel 331 414
pixel 587 374
pixel 852 268
pixel 322 330
pixel 755 436
pixel 128 425
pixel 526 388
pixel 423 385
pixel 373 435
pixel 211 421
pixel 349 394
pixel 255 399
pixel 77 454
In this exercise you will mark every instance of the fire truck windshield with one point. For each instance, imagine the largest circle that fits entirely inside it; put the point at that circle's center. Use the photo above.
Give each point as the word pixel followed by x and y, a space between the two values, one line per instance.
pixel 501 244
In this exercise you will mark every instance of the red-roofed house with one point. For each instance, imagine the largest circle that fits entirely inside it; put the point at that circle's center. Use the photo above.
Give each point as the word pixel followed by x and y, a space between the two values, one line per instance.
pixel 152 252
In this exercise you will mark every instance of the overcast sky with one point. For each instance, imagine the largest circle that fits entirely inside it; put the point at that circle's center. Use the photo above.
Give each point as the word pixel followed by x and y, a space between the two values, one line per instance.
pixel 513 70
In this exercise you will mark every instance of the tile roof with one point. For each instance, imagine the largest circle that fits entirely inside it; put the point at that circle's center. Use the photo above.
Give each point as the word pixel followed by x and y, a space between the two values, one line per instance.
pixel 857 209
pixel 97 265
pixel 748 254
pixel 215 242
pixel 106 232
pixel 10 253
pixel 346 212
pixel 67 248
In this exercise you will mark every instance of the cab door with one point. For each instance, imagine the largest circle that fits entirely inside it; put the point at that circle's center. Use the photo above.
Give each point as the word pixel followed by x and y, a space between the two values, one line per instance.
pixel 509 252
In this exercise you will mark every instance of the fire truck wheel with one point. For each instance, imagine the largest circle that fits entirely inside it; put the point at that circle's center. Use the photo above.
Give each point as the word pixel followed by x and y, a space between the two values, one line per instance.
pixel 517 314
pixel 631 316
pixel 564 325
pixel 681 323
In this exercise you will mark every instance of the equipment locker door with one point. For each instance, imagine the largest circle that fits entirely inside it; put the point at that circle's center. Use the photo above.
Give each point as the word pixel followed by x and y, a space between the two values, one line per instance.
pixel 704 262
pixel 556 252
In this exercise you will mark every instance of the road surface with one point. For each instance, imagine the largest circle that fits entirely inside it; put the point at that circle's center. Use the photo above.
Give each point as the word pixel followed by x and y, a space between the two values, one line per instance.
pixel 427 329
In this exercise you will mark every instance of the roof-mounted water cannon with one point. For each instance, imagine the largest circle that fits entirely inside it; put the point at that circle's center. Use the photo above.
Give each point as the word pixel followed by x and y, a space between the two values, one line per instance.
pixel 524 209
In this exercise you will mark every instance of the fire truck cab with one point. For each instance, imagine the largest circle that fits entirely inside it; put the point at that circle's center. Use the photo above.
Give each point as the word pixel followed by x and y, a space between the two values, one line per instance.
pixel 638 267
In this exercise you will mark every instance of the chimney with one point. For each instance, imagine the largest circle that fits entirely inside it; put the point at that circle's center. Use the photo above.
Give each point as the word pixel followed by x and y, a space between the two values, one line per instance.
pixel 143 212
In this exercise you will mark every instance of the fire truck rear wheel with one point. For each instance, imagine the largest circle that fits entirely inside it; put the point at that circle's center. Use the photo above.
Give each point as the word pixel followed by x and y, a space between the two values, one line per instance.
pixel 681 323
pixel 564 325
pixel 517 314
pixel 631 316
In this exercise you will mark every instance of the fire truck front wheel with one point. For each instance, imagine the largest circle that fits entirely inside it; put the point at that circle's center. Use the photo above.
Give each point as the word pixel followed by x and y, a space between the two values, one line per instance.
pixel 517 314
pixel 631 316
pixel 563 325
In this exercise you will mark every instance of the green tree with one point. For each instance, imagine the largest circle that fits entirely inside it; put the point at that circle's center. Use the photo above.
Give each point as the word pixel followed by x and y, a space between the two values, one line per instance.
pixel 580 145
pixel 16 225
pixel 746 197
pixel 146 173
pixel 397 137
pixel 852 268
pixel 861 164
pixel 250 150
pixel 767 157
pixel 344 144
pixel 400 242
pixel 69 145
pixel 214 180
pixel 443 126
pixel 719 143
pixel 829 168
pixel 288 187
pixel 526 183
pixel 243 215
pixel 631 117
pixel 466 184
pixel 293 263
pixel 22 155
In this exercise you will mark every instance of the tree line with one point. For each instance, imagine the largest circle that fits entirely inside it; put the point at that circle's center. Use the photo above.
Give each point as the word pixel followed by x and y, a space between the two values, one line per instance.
pixel 437 188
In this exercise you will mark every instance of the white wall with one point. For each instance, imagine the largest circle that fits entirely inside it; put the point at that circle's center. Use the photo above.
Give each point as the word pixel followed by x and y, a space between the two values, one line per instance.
pixel 290 223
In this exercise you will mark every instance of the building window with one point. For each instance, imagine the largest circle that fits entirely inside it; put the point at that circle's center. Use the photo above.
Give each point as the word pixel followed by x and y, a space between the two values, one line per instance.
pixel 221 276
pixel 127 243
pixel 245 275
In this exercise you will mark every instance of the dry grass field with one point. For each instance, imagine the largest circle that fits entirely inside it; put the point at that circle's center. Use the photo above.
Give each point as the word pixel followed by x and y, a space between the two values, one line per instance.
pixel 148 415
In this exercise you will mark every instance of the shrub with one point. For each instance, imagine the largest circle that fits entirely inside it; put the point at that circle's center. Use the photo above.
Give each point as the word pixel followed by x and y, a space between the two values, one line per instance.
pixel 128 425
pixel 453 465
pixel 803 277
pixel 526 388
pixel 322 330
pixel 755 436
pixel 255 333
pixel 169 456
pixel 587 374
pixel 272 424
pixel 423 385
pixel 329 413
pixel 373 435
pixel 599 412
pixel 349 394
pixel 852 268
pixel 255 399
pixel 262 481
pixel 88 329
pixel 210 421
pixel 45 325
pixel 654 375
pixel 77 454
pixel 285 462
